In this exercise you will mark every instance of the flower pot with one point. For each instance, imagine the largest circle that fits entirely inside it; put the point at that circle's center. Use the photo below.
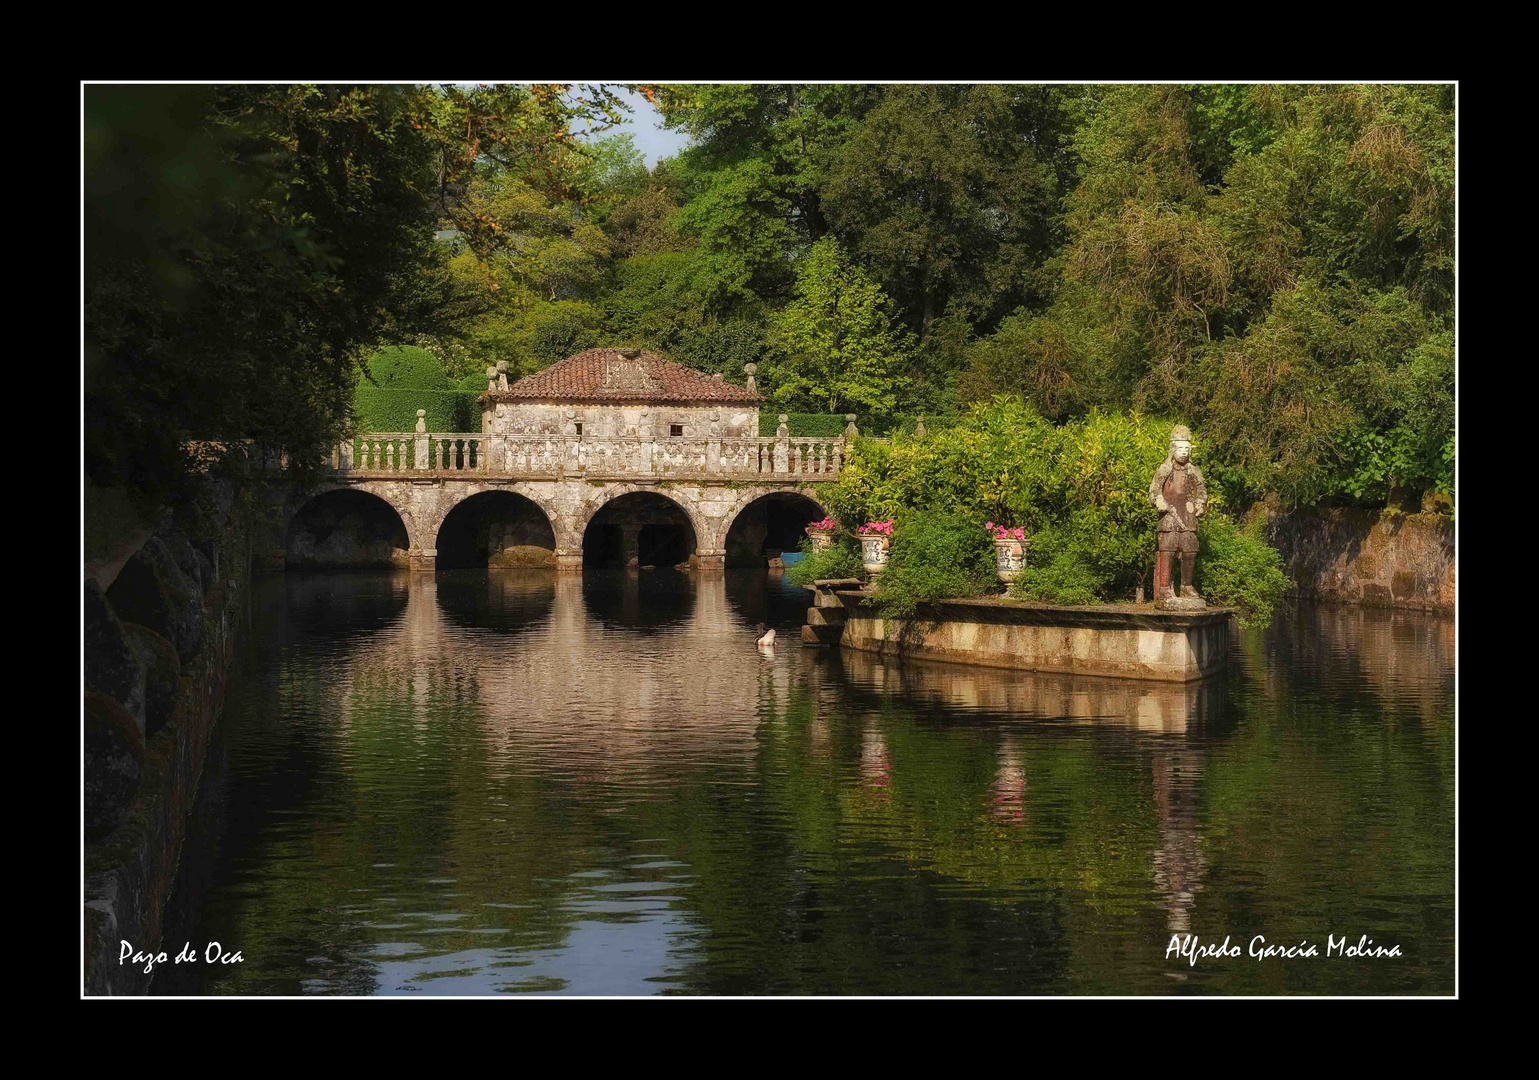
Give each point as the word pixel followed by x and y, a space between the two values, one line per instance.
pixel 821 540
pixel 1010 556
pixel 874 549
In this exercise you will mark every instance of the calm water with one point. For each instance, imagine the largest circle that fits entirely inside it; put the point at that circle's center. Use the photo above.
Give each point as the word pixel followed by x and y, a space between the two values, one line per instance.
pixel 520 782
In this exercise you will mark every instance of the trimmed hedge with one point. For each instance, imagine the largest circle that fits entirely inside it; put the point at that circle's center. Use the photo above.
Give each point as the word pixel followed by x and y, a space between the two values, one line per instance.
pixel 830 425
pixel 393 409
pixel 405 367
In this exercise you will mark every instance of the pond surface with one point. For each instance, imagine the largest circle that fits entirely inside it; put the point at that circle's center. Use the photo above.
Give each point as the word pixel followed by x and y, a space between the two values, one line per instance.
pixel 515 781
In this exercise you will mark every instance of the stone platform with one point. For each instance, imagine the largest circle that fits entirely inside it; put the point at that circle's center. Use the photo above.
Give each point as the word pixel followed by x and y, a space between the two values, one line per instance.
pixel 1131 641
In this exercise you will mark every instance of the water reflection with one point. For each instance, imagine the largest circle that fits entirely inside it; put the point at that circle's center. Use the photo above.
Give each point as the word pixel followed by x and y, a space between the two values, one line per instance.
pixel 517 781
pixel 646 601
pixel 481 599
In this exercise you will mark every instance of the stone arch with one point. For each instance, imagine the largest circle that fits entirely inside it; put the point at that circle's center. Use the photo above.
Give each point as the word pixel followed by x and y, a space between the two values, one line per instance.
pixel 347 527
pixel 778 533
pixel 608 493
pixel 626 503
pixel 494 525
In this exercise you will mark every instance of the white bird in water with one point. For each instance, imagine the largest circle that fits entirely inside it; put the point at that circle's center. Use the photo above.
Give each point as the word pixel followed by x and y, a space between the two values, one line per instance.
pixel 766 637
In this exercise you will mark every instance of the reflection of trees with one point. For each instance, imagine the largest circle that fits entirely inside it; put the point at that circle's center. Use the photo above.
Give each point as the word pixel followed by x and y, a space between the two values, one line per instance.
pixel 836 814
pixel 1405 660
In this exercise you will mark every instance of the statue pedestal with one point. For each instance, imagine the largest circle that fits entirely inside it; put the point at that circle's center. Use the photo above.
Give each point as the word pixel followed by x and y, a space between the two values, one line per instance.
pixel 1181 603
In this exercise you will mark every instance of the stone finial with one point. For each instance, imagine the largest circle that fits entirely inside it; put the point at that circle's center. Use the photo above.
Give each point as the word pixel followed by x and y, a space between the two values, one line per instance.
pixel 717 377
pixel 751 370
pixel 630 354
pixel 919 431
pixel 491 379
pixel 850 430
pixel 502 366
pixel 783 432
pixel 422 420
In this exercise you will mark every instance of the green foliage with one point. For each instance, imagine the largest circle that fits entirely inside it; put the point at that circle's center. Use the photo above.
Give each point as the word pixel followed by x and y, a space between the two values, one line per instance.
pixel 1273 263
pixel 947 194
pixel 1060 568
pixel 1238 568
pixel 992 466
pixel 390 409
pixel 560 328
pixel 243 242
pixel 836 344
pixel 934 556
pixel 839 560
pixel 803 425
pixel 405 367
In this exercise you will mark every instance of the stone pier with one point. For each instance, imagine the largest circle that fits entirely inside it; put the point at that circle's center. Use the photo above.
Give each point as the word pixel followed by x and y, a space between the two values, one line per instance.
pixel 1131 641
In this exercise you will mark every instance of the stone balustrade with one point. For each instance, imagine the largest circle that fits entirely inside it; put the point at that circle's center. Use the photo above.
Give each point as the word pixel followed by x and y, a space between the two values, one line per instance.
pixel 389 453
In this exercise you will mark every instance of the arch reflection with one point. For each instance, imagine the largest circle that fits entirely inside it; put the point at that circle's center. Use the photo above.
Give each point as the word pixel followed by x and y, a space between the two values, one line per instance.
pixel 504 600
pixel 648 601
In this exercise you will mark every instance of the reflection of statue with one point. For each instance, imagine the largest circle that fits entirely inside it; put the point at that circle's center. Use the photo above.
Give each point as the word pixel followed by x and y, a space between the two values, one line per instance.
pixel 1180 496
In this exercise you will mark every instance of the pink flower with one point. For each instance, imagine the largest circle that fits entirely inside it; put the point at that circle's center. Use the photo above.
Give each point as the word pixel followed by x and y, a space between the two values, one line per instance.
pixel 828 524
pixel 882 527
pixel 1001 532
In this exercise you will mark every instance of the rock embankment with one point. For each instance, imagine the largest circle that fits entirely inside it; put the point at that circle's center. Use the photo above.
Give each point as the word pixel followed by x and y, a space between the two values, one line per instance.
pixel 159 646
pixel 1382 558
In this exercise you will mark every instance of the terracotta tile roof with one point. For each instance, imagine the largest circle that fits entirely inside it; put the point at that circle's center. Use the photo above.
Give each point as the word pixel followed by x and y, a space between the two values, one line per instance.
pixel 623 375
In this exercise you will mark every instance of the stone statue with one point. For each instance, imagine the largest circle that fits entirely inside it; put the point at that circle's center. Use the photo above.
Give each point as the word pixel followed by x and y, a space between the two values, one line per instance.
pixel 1179 494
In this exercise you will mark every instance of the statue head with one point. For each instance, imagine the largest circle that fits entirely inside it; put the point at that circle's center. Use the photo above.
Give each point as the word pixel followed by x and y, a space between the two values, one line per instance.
pixel 1181 444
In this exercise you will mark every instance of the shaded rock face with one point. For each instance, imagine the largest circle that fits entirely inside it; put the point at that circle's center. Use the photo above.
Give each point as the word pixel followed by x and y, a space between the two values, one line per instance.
pixel 112 665
pixel 114 752
pixel 1374 557
pixel 196 567
pixel 161 671
pixel 152 590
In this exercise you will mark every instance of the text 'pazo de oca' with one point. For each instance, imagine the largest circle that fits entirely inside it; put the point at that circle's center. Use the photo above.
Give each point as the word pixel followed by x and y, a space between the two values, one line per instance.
pixel 214 953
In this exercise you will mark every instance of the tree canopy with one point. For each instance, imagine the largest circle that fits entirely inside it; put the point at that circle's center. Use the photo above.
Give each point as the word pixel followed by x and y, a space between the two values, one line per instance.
pixel 1271 264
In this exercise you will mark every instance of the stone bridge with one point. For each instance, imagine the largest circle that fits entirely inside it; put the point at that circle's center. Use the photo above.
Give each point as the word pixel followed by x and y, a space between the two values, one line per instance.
pixel 428 500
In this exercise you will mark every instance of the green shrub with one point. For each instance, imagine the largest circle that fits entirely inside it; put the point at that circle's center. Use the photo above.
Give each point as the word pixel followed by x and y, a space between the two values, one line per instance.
pixel 390 409
pixel 1237 567
pixel 802 425
pixel 935 556
pixel 406 367
pixel 841 560
pixel 831 425
pixel 1061 568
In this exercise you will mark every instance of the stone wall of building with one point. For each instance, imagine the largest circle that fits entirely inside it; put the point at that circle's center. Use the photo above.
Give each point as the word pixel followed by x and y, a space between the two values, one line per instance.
pixel 1380 557
pixel 732 420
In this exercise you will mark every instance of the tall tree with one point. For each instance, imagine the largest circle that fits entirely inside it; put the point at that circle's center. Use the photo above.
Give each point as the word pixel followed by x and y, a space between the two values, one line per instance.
pixel 947 194
pixel 837 343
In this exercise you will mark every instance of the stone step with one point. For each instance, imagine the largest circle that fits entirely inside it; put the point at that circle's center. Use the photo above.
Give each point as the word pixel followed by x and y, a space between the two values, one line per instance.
pixel 825 616
pixel 820 635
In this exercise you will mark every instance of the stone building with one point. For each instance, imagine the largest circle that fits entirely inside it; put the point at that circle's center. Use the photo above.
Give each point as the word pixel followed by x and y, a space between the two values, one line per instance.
pixel 614 457
pixel 615 393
